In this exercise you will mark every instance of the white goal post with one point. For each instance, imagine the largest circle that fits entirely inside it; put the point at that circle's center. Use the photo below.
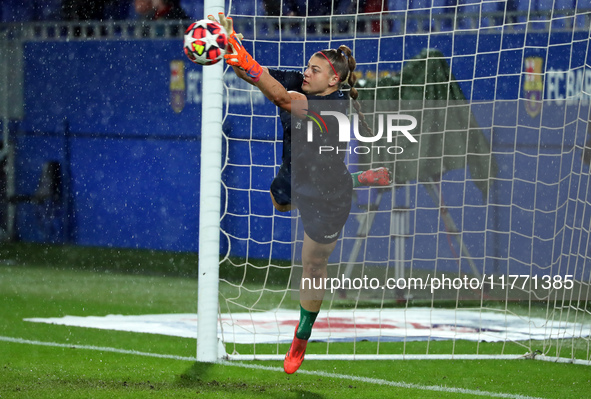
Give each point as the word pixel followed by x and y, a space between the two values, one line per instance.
pixel 482 242
pixel 209 204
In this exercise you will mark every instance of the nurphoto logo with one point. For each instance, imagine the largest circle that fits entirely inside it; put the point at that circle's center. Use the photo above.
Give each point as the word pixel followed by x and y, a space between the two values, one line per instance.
pixel 388 124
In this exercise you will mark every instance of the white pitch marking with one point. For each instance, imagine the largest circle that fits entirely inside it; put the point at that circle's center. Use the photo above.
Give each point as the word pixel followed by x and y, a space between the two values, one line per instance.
pixel 376 381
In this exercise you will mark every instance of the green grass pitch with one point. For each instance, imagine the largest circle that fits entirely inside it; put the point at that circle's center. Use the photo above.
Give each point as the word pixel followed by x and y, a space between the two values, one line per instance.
pixel 50 361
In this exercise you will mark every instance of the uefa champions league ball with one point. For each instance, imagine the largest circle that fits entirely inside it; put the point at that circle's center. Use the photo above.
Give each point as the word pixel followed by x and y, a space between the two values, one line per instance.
pixel 205 42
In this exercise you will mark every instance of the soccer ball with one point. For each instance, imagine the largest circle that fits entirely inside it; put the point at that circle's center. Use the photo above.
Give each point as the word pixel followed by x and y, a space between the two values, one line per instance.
pixel 205 42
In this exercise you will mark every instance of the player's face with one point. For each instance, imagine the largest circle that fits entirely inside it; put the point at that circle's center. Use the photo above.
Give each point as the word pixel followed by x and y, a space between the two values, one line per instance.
pixel 319 79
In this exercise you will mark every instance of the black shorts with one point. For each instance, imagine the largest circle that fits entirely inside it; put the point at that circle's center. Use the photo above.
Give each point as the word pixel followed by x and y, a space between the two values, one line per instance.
pixel 323 219
pixel 281 186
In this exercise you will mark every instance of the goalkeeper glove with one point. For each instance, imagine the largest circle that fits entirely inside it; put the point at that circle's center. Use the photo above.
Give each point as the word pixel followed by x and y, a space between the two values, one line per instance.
pixel 240 58
pixel 227 23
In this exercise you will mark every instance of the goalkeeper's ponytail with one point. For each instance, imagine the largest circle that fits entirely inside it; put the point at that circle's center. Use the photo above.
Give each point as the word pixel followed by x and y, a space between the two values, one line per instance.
pixel 343 64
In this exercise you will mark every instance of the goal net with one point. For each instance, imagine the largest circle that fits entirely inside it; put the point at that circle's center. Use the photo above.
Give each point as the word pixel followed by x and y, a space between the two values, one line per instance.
pixel 480 248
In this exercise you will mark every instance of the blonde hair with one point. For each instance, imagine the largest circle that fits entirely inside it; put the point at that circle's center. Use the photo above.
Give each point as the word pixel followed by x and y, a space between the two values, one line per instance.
pixel 344 64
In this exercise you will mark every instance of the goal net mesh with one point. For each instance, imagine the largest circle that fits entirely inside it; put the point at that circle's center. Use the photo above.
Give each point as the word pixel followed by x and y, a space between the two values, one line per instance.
pixel 481 245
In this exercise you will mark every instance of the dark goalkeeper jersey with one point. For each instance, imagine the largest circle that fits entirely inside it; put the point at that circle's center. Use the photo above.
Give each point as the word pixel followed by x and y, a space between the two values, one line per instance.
pixel 315 174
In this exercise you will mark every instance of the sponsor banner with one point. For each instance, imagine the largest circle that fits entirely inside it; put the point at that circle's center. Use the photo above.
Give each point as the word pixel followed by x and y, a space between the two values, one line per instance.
pixel 411 324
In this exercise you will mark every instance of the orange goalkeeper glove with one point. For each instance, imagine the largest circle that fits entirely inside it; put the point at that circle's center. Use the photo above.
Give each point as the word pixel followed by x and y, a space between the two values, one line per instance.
pixel 227 23
pixel 239 57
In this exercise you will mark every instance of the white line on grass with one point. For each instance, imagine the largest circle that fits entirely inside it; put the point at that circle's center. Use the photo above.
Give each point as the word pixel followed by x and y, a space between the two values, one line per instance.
pixel 376 381
pixel 95 348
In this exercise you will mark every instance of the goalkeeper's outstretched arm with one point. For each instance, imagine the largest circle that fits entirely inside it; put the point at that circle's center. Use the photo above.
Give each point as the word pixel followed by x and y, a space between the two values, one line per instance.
pixel 249 70
pixel 273 90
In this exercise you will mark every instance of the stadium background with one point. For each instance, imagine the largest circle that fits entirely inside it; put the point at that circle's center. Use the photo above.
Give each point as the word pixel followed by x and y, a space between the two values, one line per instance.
pixel 102 109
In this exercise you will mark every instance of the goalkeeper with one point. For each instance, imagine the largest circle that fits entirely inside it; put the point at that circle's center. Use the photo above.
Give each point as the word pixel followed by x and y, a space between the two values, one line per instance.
pixel 319 185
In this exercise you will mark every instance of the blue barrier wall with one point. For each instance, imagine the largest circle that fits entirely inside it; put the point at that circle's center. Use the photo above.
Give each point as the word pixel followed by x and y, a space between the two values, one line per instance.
pixel 134 161
pixel 103 109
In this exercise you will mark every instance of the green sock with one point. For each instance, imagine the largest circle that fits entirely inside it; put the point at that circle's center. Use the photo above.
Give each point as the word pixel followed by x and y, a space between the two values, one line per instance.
pixel 307 320
pixel 356 182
